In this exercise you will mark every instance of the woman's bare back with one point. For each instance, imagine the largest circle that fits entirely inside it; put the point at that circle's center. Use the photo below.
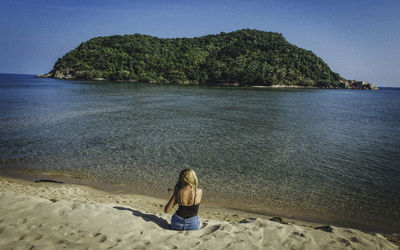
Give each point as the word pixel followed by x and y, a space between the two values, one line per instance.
pixel 186 196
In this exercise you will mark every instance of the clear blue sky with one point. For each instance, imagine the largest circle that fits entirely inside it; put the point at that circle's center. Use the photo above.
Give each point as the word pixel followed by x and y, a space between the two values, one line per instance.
pixel 359 39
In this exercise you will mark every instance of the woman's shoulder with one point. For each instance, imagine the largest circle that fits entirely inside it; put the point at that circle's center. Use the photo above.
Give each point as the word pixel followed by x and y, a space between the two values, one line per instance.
pixel 199 192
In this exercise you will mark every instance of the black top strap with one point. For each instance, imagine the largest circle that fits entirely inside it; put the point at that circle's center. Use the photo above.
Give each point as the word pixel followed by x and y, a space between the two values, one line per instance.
pixel 195 193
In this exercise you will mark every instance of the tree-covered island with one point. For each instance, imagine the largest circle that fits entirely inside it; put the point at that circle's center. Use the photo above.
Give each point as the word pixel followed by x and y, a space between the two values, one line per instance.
pixel 244 57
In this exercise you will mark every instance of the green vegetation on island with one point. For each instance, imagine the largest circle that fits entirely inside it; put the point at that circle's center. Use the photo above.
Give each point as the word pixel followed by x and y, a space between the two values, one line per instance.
pixel 244 57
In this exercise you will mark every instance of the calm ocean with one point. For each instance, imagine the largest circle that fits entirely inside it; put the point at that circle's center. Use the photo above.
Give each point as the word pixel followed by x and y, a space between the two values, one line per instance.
pixel 330 155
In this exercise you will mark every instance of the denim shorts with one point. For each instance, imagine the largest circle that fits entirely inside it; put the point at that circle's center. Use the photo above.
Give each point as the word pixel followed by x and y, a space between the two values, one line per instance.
pixel 179 223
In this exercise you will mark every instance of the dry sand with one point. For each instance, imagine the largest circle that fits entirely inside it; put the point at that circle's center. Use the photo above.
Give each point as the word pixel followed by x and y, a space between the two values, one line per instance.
pixel 56 216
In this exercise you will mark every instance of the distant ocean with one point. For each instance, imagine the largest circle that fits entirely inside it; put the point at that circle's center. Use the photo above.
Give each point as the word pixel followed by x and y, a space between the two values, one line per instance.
pixel 316 154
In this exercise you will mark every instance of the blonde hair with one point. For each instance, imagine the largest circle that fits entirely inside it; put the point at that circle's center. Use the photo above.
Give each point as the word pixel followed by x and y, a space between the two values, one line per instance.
pixel 186 177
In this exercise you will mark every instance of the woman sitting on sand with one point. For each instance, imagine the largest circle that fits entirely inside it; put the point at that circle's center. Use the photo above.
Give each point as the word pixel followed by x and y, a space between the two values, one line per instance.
pixel 188 197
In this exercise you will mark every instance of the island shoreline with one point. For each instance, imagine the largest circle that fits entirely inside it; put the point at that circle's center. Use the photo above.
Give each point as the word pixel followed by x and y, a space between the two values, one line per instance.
pixel 346 84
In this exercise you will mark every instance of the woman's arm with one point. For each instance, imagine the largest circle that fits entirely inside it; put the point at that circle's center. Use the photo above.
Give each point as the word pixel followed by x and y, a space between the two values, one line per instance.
pixel 171 203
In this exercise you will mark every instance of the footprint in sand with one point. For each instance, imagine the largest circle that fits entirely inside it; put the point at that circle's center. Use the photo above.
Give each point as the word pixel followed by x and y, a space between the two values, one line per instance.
pixel 298 234
pixel 33 237
pixel 344 241
pixel 117 240
pixel 355 240
pixel 20 237
pixel 34 226
pixel 213 229
pixel 22 221
pixel 75 206
pixel 100 236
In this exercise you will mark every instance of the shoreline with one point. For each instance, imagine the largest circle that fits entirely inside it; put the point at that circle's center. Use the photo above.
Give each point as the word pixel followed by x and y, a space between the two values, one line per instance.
pixel 346 84
pixel 70 215
pixel 210 209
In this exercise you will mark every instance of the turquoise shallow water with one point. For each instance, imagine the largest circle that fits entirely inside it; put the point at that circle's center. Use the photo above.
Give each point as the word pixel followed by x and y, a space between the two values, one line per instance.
pixel 310 154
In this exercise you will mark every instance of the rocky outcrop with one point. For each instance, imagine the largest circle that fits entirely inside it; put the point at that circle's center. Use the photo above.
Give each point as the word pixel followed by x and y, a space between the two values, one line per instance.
pixel 64 73
pixel 43 76
pixel 354 84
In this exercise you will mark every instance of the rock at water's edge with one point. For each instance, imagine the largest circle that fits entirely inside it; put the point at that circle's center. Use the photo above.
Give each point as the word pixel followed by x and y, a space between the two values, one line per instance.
pixel 354 84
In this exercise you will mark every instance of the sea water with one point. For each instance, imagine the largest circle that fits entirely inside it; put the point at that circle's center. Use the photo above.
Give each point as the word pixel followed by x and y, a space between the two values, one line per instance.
pixel 314 154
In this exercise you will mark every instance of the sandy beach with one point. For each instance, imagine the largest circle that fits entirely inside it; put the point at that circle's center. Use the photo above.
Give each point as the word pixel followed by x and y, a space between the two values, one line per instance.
pixel 56 216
